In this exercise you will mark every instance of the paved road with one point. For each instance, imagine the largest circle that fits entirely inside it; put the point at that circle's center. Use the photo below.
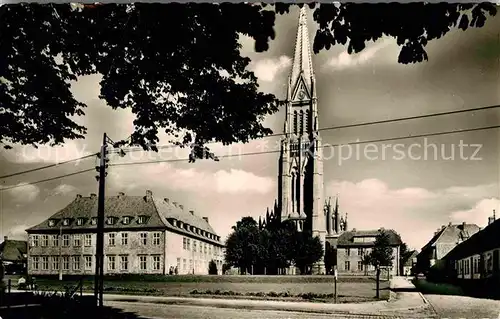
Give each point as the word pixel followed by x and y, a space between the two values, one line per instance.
pixel 157 311
pixel 458 307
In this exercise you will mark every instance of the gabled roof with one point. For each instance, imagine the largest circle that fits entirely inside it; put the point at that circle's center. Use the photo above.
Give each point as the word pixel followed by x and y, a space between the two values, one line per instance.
pixel 482 241
pixel 346 239
pixel 452 234
pixel 13 250
pixel 156 213
pixel 409 260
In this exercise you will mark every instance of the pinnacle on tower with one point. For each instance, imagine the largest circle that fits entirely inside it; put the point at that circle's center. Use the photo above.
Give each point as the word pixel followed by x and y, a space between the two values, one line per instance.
pixel 302 60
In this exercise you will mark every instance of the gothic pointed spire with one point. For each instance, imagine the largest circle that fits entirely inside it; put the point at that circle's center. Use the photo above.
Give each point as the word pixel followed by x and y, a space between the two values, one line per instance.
pixel 302 60
pixel 260 222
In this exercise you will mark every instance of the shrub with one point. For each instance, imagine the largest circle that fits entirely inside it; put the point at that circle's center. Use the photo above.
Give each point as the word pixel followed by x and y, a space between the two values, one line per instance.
pixel 212 268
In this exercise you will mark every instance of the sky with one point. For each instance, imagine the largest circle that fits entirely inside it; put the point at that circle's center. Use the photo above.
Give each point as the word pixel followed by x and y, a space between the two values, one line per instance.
pixel 411 189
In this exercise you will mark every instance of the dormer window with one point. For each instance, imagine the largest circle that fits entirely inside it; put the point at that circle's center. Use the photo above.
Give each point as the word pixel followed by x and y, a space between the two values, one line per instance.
pixel 79 221
pixel 65 221
pixel 93 221
pixel 110 220
pixel 126 220
pixel 52 223
pixel 142 219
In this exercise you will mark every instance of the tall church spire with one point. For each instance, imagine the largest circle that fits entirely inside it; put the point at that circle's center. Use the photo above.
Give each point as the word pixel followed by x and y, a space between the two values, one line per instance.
pixel 302 60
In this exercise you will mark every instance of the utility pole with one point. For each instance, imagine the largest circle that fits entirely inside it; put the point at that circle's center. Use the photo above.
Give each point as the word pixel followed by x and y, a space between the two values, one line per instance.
pixel 60 253
pixel 99 265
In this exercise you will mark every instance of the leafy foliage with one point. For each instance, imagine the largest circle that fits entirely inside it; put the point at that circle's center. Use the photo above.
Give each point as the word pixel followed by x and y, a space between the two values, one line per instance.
pixel 330 258
pixel 382 252
pixel 212 268
pixel 413 25
pixel 366 261
pixel 267 250
pixel 308 251
pixel 178 66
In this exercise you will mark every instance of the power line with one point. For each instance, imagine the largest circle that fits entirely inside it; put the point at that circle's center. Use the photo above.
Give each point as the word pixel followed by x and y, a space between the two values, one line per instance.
pixel 48 166
pixel 267 152
pixel 49 179
pixel 400 119
pixel 272 135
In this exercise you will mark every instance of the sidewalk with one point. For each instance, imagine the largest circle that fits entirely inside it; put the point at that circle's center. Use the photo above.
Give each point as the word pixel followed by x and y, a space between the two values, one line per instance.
pixel 407 300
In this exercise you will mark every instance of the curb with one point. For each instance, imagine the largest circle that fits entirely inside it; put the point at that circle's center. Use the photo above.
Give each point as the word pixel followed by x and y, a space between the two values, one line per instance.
pixel 423 298
pixel 354 314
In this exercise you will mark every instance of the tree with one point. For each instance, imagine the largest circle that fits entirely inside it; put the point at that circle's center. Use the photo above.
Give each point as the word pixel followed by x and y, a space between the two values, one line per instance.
pixel 212 268
pixel 366 261
pixel 242 245
pixel 381 255
pixel 178 66
pixel 330 258
pixel 308 250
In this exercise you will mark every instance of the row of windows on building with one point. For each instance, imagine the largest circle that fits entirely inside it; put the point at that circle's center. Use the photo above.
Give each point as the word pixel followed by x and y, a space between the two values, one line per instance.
pixel 198 246
pixel 361 266
pixel 182 264
pixel 111 220
pixel 464 266
pixel 75 262
pixel 76 239
pixel 360 251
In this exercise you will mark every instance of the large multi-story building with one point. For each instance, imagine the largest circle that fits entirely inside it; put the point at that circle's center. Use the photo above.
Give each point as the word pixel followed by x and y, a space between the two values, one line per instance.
pixel 143 235
pixel 352 245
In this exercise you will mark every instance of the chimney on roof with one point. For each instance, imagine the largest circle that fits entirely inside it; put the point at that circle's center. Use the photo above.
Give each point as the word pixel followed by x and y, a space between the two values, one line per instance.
pixel 192 212
pixel 449 224
pixel 181 206
pixel 149 193
pixel 121 194
pixel 166 200
pixel 354 229
pixel 490 220
pixel 92 195
pixel 206 219
pixel 175 204
pixel 78 196
pixel 463 225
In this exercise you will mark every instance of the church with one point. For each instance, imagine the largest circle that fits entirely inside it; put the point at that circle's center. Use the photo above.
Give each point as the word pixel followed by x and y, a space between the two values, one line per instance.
pixel 301 197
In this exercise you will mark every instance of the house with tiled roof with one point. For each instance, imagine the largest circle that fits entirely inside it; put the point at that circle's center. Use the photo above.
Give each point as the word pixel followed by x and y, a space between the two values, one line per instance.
pixel 143 234
pixel 445 239
pixel 353 245
pixel 478 257
pixel 13 255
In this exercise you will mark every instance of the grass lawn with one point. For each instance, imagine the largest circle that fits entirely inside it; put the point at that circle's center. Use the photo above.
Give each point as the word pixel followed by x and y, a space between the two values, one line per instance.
pixel 316 288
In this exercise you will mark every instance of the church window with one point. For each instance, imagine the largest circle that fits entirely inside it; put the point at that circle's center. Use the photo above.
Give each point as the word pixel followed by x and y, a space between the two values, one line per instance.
pixel 301 118
pixel 295 121
pixel 308 122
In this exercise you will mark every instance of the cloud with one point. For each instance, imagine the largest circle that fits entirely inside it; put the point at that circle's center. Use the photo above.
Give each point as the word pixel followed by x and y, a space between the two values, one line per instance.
pixel 415 213
pixel 239 181
pixel 266 69
pixel 233 181
pixel 18 231
pixel 345 60
pixel 24 192
pixel 63 189
pixel 479 213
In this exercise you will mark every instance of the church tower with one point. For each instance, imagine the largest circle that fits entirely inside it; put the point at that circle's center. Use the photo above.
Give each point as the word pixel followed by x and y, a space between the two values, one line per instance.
pixel 301 167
